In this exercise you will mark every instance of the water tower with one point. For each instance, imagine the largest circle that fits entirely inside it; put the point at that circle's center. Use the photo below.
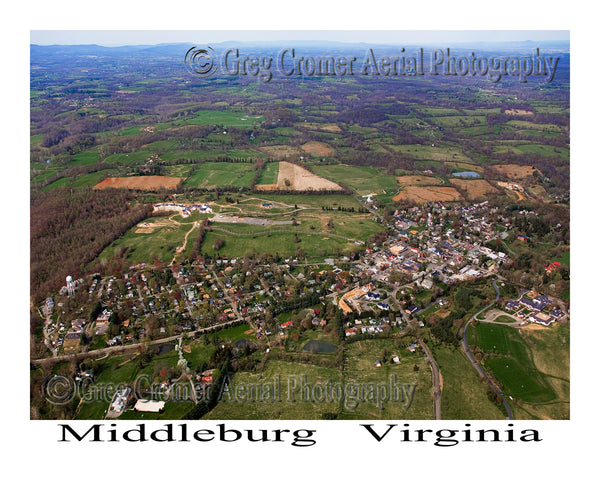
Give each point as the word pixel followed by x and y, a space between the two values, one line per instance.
pixel 70 285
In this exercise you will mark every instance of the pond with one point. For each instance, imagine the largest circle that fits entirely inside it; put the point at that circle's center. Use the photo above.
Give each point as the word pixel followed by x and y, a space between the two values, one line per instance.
pixel 316 346
pixel 466 174
pixel 241 343
pixel 165 348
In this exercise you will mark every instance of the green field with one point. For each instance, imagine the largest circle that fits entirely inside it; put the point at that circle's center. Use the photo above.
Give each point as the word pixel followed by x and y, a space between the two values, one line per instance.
pixel 505 319
pixel 436 153
pixel 463 394
pixel 273 393
pixel 44 175
pixel 510 360
pixel 145 247
pixel 139 157
pixel 543 127
pixel 213 174
pixel 320 233
pixel 314 201
pixel 460 121
pixel 363 180
pixel 86 158
pixel 224 119
pixel 539 149
pixel 269 174
pixel 61 182
pixel 274 243
pixel 358 386
pixel 360 369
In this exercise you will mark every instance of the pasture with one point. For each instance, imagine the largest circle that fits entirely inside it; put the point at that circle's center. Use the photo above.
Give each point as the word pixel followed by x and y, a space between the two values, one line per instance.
pixel 463 394
pixel 363 180
pixel 217 174
pixel 509 357
pixel 224 118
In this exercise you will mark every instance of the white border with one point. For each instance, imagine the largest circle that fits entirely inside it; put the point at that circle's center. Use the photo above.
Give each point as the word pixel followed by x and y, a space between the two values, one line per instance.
pixel 342 449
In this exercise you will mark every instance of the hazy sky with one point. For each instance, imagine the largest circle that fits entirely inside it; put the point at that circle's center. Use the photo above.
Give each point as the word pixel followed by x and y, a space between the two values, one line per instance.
pixel 147 37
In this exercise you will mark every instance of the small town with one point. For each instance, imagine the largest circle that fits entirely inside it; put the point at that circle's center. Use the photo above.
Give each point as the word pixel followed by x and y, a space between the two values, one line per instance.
pixel 382 288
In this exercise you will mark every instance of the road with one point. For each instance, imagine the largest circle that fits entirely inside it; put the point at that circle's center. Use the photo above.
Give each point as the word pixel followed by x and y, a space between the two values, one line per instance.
pixel 182 247
pixel 435 371
pixel 437 396
pixel 478 367
pixel 232 301
pixel 125 348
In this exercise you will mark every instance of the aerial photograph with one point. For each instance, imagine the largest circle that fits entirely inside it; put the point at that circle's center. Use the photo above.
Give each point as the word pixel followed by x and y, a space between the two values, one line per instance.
pixel 312 226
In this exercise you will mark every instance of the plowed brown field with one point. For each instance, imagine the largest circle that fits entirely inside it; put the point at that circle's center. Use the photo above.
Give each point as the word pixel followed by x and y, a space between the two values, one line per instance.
pixel 150 182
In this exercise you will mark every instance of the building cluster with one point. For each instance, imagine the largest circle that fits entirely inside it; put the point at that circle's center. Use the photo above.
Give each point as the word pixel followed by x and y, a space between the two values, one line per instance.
pixel 429 247
pixel 533 307
pixel 183 209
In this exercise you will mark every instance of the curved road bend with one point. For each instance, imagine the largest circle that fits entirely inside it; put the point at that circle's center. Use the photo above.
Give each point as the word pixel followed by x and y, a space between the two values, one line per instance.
pixel 465 346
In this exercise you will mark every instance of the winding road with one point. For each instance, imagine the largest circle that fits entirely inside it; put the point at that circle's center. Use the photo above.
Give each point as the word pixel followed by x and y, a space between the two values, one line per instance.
pixel 478 367
pixel 435 372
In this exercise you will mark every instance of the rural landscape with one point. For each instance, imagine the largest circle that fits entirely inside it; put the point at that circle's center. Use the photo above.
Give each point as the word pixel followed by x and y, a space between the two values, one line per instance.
pixel 322 248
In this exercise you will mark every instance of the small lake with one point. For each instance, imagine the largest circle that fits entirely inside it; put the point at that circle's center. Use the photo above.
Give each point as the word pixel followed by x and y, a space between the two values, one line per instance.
pixel 466 174
pixel 316 346
pixel 241 343
pixel 165 348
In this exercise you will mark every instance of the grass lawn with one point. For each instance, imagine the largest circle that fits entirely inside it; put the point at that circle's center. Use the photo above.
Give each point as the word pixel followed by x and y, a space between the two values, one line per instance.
pixel 236 333
pixel 551 355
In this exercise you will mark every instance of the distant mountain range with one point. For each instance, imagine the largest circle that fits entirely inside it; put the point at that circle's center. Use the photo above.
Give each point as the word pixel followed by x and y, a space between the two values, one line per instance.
pixel 176 49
